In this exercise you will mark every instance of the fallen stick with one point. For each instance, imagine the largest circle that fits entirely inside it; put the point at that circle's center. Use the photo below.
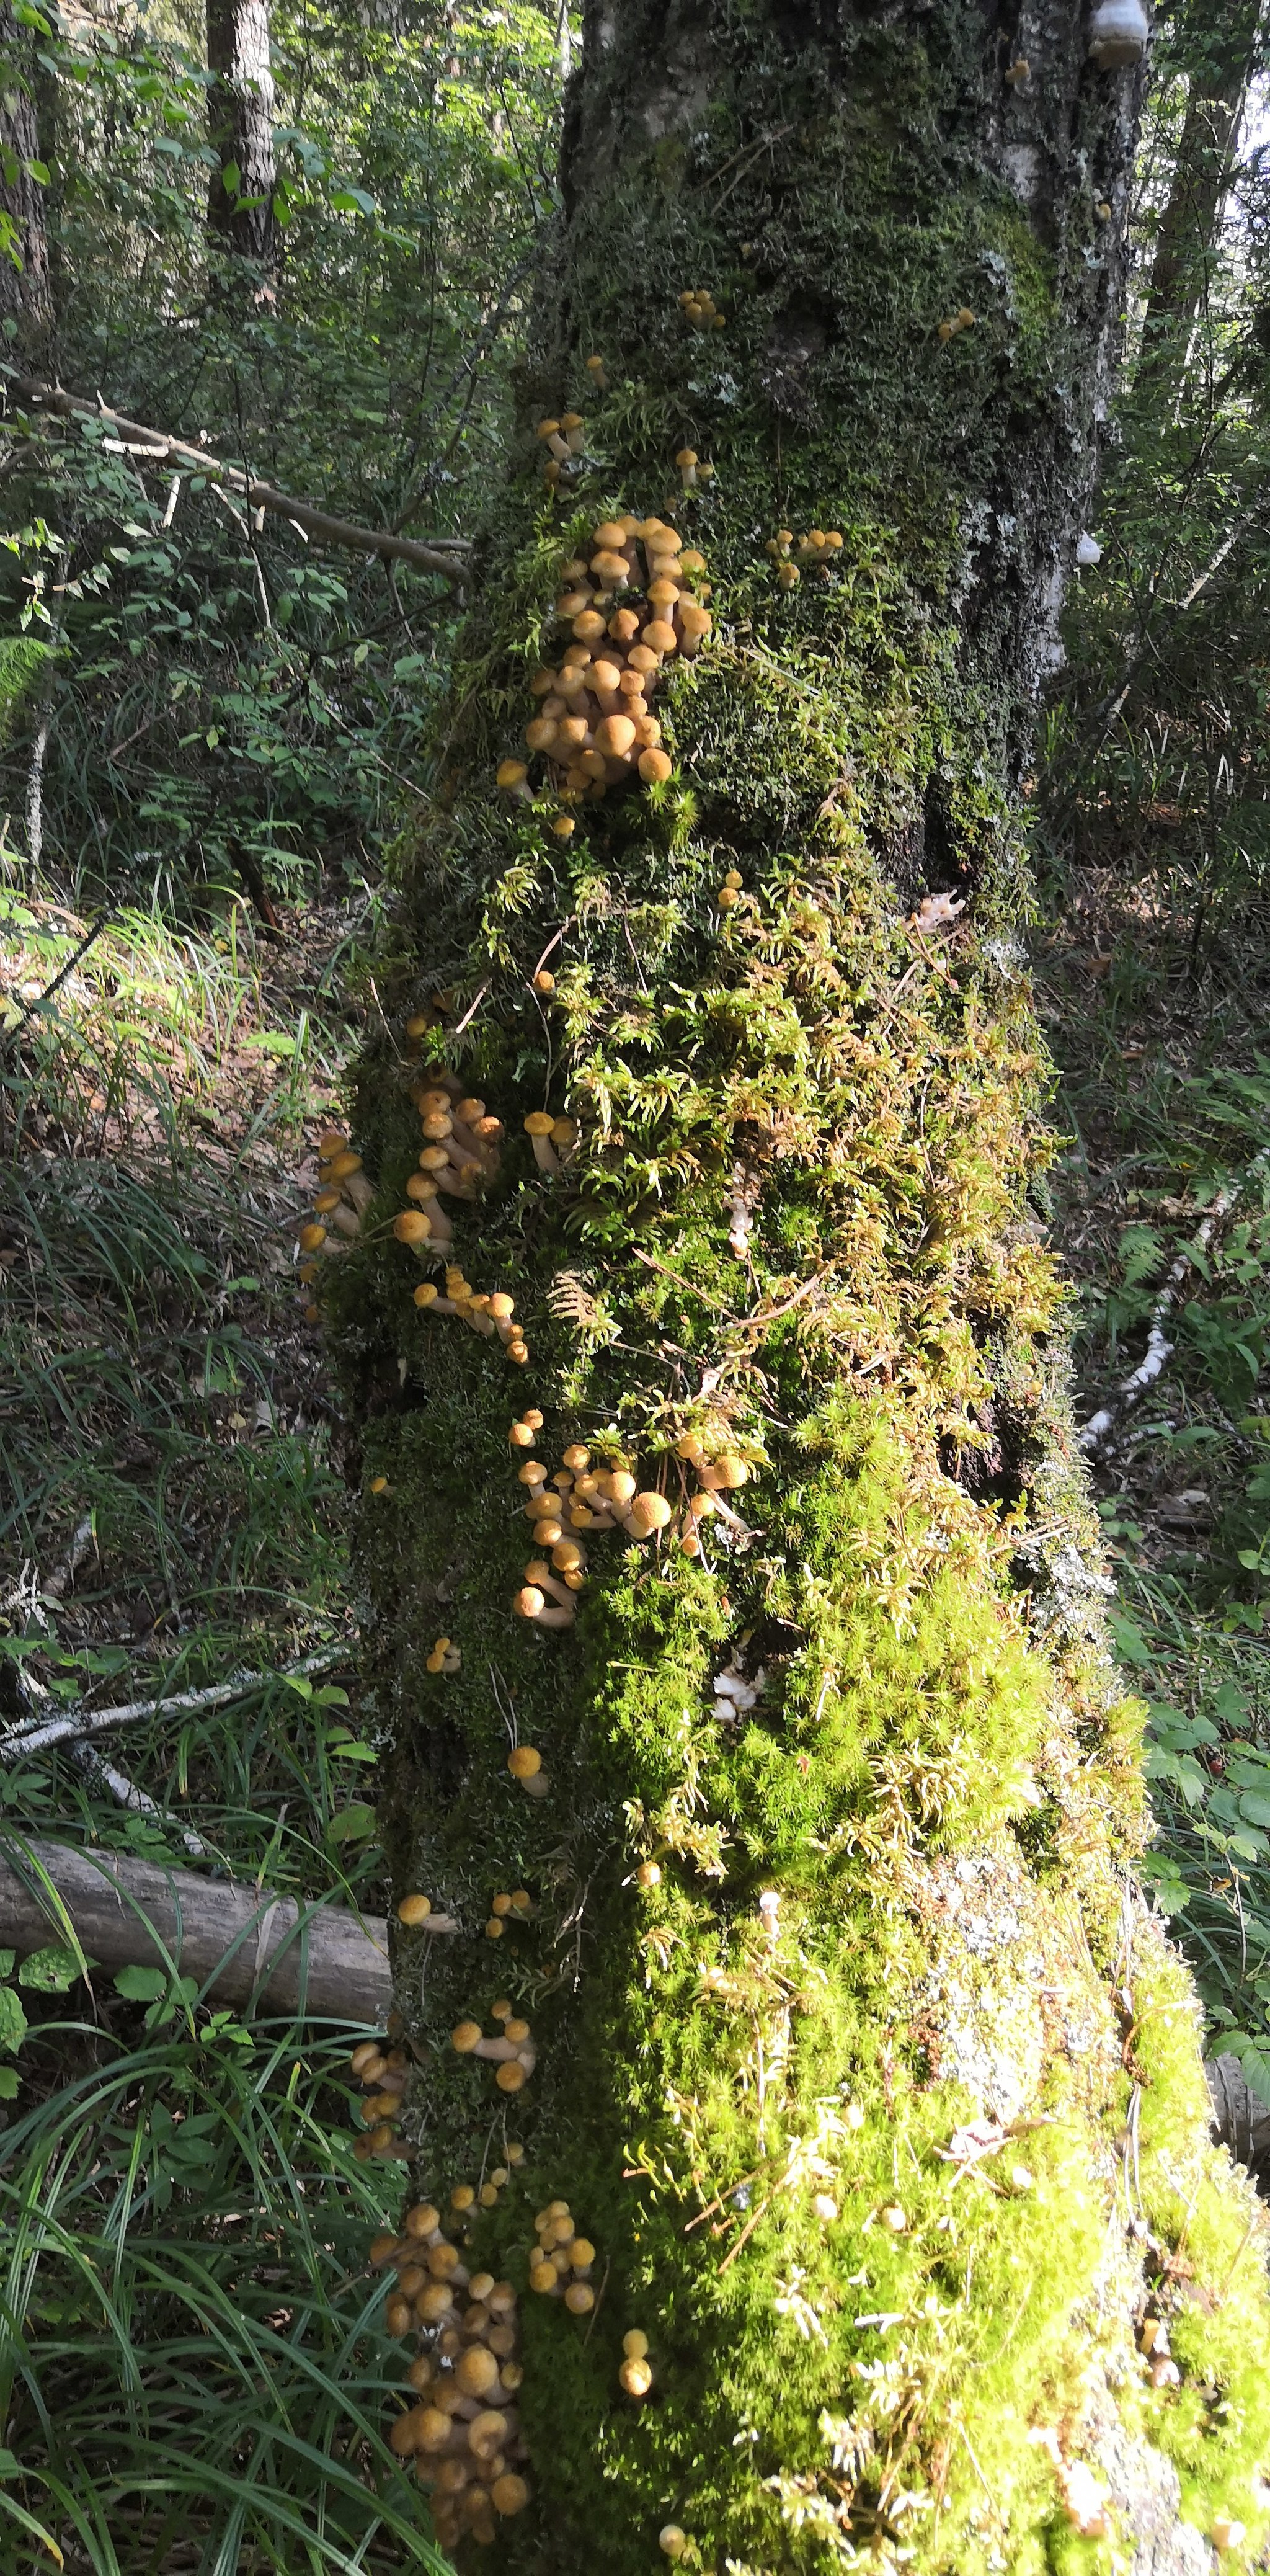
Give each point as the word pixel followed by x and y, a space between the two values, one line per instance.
pixel 1159 1350
pixel 243 1944
pixel 448 557
pixel 39 1734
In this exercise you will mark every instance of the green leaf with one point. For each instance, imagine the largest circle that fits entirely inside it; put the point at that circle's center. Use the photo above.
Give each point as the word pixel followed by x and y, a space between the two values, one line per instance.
pixel 8 2083
pixel 352 1825
pixel 7 1958
pixel 10 2465
pixel 349 1749
pixel 1131 1645
pixel 13 2021
pixel 141 1985
pixel 1255 1808
pixel 50 1971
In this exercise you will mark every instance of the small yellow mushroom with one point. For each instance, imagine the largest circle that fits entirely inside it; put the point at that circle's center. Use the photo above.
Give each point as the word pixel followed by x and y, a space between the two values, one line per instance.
pixel 513 776
pixel 414 1910
pixel 635 2377
pixel 464 2037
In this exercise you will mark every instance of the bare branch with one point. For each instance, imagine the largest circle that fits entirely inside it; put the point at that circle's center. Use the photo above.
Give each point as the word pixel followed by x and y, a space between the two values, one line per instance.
pixel 448 557
pixel 78 1724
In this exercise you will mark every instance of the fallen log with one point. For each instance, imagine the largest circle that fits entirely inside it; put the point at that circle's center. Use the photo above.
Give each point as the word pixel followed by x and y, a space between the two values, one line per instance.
pixel 243 1944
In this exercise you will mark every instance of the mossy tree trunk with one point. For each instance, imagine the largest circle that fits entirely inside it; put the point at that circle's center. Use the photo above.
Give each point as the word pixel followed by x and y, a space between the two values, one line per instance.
pixel 856 2054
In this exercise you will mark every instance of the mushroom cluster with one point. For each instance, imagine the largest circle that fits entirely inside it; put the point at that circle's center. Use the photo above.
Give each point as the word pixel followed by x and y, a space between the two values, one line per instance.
pixel 462 2431
pixel 486 1313
pixel 554 1140
pixel 580 1498
pixel 507 1909
pixel 512 2055
pixel 817 552
pixel 700 310
pixel 565 443
pixel 631 602
pixel 383 2072
pixel 561 2263
pixel 343 1196
pixel 459 1155
pixel 962 320
pixel 635 2376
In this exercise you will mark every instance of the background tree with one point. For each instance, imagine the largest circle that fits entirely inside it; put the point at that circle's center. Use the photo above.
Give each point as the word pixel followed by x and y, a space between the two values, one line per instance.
pixel 808 1939
pixel 25 296
pixel 240 105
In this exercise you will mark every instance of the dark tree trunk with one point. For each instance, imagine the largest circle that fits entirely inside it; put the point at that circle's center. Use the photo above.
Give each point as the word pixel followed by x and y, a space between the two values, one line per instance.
pixel 240 127
pixel 1191 220
pixel 852 2048
pixel 25 292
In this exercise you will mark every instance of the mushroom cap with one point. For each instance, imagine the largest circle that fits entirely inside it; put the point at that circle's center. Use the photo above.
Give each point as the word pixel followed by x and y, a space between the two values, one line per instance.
pixel 546 428
pixel 524 1763
pixel 509 2493
pixel 539 1122
pixel 529 1602
pixel 671 2541
pixel 654 766
pixel 426 1293
pixel 588 627
pixel 651 1512
pixel 510 2077
pixel 579 2298
pixel 412 1226
pixel 660 637
pixel 636 2378
pixel 311 1237
pixel 414 1909
pixel 476 2370
pixel 593 362
pixel 464 2037
pixel 620 1485
pixel 564 827
pixel 635 2343
pixel 686 456
pixel 614 736
pixel 509 773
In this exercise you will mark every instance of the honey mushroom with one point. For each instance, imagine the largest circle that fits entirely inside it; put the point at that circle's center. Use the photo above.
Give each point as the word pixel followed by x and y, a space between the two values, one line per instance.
pixel 593 722
pixel 464 2435
pixel 635 2375
pixel 383 2071
pixel 595 370
pixel 562 2264
pixel 525 1765
pixel 444 1658
pixel 553 1140
pixel 700 309
pixel 416 1913
pixel 513 2056
pixel 341 1200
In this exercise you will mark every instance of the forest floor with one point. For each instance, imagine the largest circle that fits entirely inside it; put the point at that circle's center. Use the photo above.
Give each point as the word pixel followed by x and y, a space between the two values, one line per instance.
pixel 195 2357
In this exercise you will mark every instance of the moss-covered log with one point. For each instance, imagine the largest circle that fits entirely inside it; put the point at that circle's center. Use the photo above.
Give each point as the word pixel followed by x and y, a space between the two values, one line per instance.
pixel 851 2048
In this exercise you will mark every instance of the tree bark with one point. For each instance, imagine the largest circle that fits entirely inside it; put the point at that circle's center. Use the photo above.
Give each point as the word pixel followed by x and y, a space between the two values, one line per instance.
pixel 1228 45
pixel 240 128
pixel 853 2049
pixel 25 290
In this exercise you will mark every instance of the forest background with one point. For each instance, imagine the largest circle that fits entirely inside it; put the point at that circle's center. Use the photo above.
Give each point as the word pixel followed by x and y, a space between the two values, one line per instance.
pixel 216 729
